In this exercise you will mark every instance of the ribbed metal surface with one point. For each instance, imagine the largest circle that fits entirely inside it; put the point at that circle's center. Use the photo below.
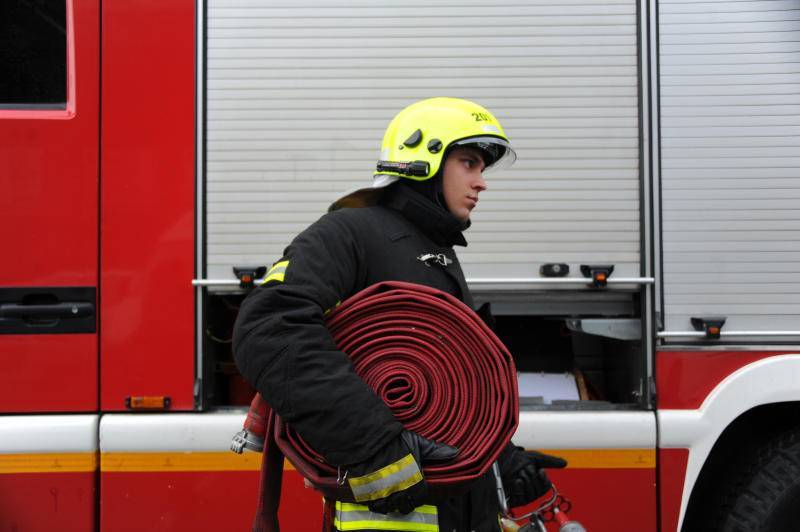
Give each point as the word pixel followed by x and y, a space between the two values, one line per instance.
pixel 299 95
pixel 730 116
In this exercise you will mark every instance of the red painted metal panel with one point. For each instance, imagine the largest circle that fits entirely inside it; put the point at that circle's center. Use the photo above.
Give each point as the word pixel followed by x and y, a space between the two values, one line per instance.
pixel 49 173
pixel 685 378
pixel 147 202
pixel 49 183
pixel 605 500
pixel 200 501
pixel 44 502
pixel 671 474
pixel 48 373
pixel 609 500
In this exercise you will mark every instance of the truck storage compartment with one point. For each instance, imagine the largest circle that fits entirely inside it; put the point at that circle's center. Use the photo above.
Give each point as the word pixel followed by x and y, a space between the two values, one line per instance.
pixel 296 102
pixel 298 98
pixel 560 368
pixel 729 168
pixel 583 353
pixel 570 360
pixel 222 383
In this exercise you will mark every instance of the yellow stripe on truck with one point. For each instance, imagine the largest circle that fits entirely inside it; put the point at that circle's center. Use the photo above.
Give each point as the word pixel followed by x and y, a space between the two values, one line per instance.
pixel 48 463
pixel 606 458
pixel 228 461
pixel 180 461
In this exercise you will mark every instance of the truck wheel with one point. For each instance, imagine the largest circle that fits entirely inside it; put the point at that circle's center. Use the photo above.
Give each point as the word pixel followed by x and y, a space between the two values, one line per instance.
pixel 765 493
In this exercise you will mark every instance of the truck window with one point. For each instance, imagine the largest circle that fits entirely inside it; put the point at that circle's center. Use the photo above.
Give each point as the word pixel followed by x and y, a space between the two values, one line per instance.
pixel 33 54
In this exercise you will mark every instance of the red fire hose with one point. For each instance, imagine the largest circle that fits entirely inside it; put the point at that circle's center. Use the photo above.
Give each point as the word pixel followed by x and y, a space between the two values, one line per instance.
pixel 433 361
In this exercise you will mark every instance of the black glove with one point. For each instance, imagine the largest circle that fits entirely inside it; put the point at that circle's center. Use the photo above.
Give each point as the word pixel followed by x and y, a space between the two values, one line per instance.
pixel 391 480
pixel 523 474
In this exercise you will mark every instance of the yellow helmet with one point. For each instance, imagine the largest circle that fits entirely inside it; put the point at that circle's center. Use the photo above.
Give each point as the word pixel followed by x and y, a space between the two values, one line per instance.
pixel 419 136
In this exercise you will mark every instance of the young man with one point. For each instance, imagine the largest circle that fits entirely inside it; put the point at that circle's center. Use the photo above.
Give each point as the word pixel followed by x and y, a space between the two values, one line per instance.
pixel 428 181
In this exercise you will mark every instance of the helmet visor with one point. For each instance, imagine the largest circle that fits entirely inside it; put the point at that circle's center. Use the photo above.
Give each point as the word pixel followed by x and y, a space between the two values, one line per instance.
pixel 497 153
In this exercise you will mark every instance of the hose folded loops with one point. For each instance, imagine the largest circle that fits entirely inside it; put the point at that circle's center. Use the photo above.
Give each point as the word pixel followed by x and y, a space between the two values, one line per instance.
pixel 440 369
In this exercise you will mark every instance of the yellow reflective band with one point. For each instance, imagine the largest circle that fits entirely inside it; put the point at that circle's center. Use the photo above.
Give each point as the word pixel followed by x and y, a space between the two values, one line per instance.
pixel 276 273
pixel 353 507
pixel 385 525
pixel 392 478
pixel 351 516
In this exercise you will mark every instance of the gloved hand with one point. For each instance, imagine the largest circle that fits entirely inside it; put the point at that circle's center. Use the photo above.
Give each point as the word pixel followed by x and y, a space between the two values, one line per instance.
pixel 523 475
pixel 391 480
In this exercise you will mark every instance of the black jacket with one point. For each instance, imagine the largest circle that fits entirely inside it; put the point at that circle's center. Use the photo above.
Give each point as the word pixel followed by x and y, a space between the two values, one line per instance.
pixel 284 350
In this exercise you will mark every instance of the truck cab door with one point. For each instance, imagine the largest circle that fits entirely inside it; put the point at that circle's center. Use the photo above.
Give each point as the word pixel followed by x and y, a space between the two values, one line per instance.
pixel 49 186
pixel 49 130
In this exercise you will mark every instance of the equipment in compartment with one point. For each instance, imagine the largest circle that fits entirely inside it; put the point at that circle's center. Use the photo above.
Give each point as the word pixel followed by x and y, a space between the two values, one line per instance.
pixel 544 388
pixel 564 368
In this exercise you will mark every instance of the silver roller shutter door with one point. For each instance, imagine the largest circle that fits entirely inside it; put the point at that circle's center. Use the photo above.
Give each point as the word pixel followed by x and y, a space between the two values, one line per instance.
pixel 730 117
pixel 299 93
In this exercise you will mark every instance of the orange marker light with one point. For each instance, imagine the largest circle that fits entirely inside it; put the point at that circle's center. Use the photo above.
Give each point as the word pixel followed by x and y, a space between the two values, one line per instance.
pixel 148 402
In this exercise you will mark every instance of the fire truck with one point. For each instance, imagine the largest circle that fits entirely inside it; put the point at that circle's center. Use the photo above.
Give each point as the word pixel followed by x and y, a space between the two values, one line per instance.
pixel 642 257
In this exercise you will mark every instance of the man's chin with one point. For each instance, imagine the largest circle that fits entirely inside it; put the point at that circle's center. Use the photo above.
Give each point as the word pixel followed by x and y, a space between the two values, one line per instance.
pixel 462 216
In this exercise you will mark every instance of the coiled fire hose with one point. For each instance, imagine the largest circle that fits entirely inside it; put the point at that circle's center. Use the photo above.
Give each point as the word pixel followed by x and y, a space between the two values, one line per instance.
pixel 439 368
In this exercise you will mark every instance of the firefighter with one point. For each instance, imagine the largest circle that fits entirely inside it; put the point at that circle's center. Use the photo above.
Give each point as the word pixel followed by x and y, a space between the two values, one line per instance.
pixel 428 181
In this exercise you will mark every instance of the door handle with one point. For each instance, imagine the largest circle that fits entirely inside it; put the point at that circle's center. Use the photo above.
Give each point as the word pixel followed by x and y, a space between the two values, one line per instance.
pixel 66 310
pixel 48 310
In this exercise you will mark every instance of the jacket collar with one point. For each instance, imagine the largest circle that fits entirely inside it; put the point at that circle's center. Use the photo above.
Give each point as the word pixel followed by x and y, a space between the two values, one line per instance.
pixel 437 223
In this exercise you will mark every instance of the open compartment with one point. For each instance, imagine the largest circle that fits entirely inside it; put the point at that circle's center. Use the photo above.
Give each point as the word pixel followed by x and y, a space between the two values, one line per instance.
pixel 223 386
pixel 574 350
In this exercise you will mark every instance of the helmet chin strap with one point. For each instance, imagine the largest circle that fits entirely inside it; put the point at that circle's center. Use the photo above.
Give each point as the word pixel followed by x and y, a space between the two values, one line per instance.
pixel 432 189
pixel 438 186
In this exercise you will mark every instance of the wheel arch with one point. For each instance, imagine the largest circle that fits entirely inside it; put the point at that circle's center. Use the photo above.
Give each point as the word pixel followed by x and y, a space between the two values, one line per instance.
pixel 740 397
pixel 736 444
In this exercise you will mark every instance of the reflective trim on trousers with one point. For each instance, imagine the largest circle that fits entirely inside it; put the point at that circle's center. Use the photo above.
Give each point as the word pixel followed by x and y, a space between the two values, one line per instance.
pixel 349 516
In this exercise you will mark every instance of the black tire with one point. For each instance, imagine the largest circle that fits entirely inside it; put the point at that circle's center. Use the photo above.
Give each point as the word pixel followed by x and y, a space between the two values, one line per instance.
pixel 764 495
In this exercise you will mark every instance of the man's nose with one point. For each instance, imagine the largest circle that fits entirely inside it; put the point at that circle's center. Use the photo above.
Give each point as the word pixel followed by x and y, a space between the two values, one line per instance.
pixel 479 184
